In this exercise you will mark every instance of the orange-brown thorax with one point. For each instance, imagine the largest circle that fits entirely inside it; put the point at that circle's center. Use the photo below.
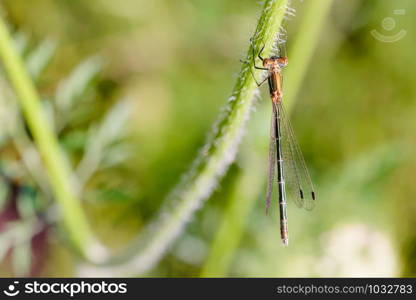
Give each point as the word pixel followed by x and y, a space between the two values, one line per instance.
pixel 275 64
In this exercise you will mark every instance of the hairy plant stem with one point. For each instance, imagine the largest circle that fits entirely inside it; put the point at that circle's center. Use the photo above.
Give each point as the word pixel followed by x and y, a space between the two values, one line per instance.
pixel 210 165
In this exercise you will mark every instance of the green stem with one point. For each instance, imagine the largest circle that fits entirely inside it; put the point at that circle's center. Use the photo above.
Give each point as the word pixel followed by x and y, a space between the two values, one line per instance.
pixel 232 225
pixel 212 163
pixel 59 173
pixel 230 231
pixel 303 47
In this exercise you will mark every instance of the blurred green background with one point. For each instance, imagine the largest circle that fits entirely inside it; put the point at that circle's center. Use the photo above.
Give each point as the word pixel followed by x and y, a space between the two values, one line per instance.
pixel 145 80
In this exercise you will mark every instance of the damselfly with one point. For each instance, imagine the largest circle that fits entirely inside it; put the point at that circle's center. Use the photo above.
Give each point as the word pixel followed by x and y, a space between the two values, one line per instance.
pixel 285 155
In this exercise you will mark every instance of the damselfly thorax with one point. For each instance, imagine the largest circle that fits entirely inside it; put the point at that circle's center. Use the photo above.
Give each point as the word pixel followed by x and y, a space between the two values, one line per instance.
pixel 274 65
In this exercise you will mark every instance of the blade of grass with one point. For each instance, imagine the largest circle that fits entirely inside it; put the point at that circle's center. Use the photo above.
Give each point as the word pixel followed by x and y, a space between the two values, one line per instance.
pixel 230 232
pixel 231 228
pixel 57 168
pixel 307 38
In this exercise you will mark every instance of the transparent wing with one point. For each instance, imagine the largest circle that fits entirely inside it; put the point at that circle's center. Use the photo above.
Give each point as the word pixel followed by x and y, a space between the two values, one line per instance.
pixel 298 182
pixel 272 162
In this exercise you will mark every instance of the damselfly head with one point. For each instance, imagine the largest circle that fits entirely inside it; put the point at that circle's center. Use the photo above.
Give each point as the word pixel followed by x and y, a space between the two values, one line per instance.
pixel 275 61
pixel 271 62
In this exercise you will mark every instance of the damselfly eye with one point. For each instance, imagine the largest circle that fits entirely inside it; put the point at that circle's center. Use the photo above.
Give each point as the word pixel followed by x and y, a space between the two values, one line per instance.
pixel 282 61
pixel 266 62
